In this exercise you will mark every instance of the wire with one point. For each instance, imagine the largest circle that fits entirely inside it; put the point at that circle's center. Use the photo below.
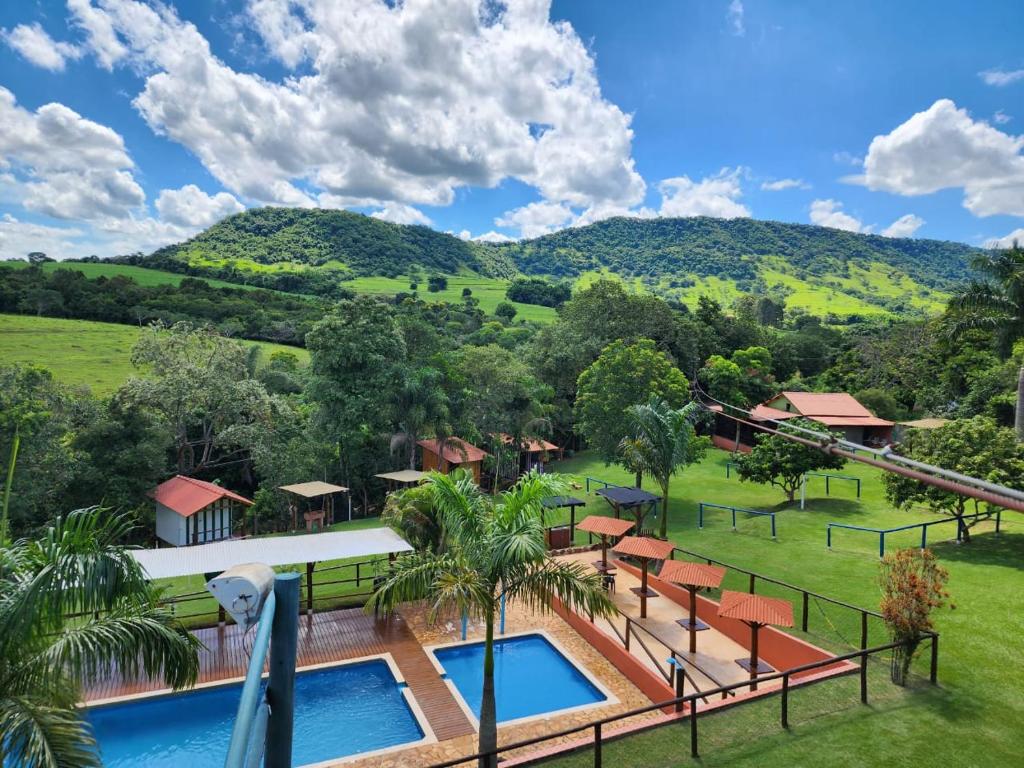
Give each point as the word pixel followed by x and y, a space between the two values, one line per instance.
pixel 939 477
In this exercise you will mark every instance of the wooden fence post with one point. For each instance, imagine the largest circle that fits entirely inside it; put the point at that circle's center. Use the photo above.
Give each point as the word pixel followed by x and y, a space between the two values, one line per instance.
pixel 785 701
pixel 597 745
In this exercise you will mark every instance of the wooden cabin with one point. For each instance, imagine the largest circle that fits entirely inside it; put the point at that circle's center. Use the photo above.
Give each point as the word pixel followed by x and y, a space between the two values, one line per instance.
pixel 532 454
pixel 838 411
pixel 443 456
pixel 190 511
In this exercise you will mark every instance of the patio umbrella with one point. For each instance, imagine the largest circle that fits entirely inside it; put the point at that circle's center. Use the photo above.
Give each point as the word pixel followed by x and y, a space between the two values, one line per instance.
pixel 693 576
pixel 644 549
pixel 604 527
pixel 755 611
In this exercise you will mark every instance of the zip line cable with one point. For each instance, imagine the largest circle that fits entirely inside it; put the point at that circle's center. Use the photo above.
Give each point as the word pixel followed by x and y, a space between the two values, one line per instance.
pixel 939 477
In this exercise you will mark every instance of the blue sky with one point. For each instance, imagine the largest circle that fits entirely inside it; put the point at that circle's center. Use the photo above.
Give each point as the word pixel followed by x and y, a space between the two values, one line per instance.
pixel 125 125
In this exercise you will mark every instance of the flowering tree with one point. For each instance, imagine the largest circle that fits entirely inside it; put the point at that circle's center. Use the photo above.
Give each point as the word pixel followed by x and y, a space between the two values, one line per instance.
pixel 913 585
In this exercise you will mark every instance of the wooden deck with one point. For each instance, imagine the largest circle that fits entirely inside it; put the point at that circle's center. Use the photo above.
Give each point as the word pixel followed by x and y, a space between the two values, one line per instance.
pixel 324 638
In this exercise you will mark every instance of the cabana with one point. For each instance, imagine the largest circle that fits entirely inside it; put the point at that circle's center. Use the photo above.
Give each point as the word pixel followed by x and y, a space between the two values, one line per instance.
pixel 401 478
pixel 604 527
pixel 692 576
pixel 273 551
pixel 191 512
pixel 755 611
pixel 557 538
pixel 324 514
pixel 636 501
pixel 533 452
pixel 446 455
pixel 644 549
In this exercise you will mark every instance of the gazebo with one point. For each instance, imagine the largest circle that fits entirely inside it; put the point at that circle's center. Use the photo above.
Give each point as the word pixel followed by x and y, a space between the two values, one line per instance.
pixel 604 527
pixel 316 490
pixel 693 576
pixel 636 501
pixel 561 502
pixel 755 611
pixel 644 549
pixel 401 478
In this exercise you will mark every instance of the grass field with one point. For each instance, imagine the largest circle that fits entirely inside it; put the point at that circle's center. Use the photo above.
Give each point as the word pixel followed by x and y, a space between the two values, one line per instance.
pixel 971 719
pixel 141 275
pixel 81 352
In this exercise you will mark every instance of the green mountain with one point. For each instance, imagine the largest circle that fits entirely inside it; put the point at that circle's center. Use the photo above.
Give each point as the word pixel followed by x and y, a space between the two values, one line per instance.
pixel 815 268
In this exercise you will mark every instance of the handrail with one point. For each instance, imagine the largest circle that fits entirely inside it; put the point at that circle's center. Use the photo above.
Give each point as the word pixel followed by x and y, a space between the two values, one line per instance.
pixel 239 751
pixel 923 526
pixel 734 510
pixel 691 699
pixel 651 656
pixel 604 483
pixel 829 476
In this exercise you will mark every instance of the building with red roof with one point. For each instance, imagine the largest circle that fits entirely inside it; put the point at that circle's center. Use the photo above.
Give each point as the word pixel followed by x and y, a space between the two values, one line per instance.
pixel 445 455
pixel 191 511
pixel 838 411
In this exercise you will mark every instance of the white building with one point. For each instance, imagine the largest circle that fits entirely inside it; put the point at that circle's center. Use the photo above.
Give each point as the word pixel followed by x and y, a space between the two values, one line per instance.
pixel 190 511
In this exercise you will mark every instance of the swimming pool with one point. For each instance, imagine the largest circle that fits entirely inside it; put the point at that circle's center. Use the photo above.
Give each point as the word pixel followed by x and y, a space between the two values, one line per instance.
pixel 532 677
pixel 339 711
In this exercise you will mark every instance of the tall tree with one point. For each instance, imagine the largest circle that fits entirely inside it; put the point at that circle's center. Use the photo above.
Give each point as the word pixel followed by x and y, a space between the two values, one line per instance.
pixel 421 406
pixel 622 376
pixel 661 441
pixel 776 460
pixel 78 568
pixel 975 447
pixel 493 549
pixel 996 303
pixel 743 381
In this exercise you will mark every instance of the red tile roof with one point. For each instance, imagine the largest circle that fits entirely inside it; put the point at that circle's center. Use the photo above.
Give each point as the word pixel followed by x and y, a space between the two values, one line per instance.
pixel 767 413
pixel 756 609
pixel 606 526
pixel 851 421
pixel 827 404
pixel 186 495
pixel 643 546
pixel 691 574
pixel 456 450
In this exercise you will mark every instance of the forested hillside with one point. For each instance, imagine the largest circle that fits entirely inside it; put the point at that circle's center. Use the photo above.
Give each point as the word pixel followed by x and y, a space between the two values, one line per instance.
pixel 732 248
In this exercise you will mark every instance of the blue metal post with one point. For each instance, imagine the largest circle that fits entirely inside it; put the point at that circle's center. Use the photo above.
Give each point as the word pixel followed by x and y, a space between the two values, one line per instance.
pixel 881 544
pixel 733 518
pixel 284 638
pixel 924 536
pixel 773 525
pixel 999 515
pixel 828 536
pixel 465 622
pixel 502 628
pixel 700 515
pixel 249 702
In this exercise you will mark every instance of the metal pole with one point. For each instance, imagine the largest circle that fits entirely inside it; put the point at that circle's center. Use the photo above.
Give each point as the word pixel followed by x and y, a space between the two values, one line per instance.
pixel 881 545
pixel 700 515
pixel 864 679
pixel 309 587
pixel 733 517
pixel 934 674
pixel 502 627
pixel 773 526
pixel 597 745
pixel 803 491
pixel 785 701
pixel 284 637
pixel 465 622
pixel 828 536
pixel 863 630
pixel 806 601
pixel 693 728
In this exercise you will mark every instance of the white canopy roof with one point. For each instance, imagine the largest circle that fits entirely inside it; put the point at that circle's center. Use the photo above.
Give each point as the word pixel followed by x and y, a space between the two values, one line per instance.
pixel 313 489
pixel 270 550
pixel 403 476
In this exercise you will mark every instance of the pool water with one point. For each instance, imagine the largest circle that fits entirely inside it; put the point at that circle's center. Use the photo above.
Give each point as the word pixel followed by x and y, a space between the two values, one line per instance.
pixel 531 677
pixel 339 711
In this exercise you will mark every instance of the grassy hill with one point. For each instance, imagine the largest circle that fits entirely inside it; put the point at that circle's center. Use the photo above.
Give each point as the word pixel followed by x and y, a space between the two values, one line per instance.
pixel 80 352
pixel 141 275
pixel 818 269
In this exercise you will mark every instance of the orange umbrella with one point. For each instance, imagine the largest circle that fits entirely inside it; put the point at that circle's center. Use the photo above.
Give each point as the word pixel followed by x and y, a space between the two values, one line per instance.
pixel 604 527
pixel 644 549
pixel 693 576
pixel 755 611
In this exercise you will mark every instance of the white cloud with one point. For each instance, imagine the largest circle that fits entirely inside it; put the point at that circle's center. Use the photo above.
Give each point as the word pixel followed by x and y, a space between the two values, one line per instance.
pixel 1006 242
pixel 1001 118
pixel 66 166
pixel 847 158
pixel 401 214
pixel 19 238
pixel 192 208
pixel 782 184
pixel 492 237
pixel 536 219
pixel 1001 77
pixel 33 42
pixel 828 213
pixel 904 226
pixel 716 196
pixel 943 148
pixel 384 102
pixel 734 15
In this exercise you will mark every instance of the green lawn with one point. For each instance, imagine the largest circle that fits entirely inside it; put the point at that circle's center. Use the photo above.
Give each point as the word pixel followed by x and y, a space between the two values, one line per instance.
pixel 81 352
pixel 141 275
pixel 971 719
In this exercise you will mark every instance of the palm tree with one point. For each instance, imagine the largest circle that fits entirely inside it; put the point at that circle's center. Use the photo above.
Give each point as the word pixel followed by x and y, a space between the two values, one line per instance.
pixel 996 304
pixel 662 441
pixel 76 569
pixel 421 404
pixel 493 549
